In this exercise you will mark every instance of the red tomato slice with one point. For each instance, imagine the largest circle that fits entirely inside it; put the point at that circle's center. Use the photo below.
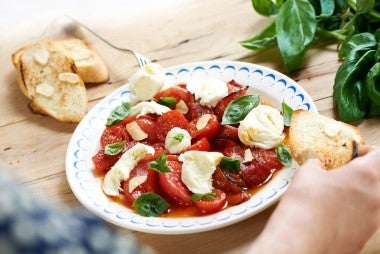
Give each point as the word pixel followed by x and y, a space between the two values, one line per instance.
pixel 104 162
pixel 267 158
pixel 223 103
pixel 196 109
pixel 149 185
pixel 228 132
pixel 237 198
pixel 212 205
pixel 255 175
pixel 209 131
pixel 233 86
pixel 167 121
pixel 220 144
pixel 173 186
pixel 200 145
pixel 113 134
pixel 221 181
pixel 177 92
pixel 149 127
pixel 234 152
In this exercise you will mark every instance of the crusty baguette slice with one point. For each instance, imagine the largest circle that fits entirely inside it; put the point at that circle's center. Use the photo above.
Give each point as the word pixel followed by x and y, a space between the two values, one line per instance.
pixel 49 78
pixel 312 135
pixel 89 65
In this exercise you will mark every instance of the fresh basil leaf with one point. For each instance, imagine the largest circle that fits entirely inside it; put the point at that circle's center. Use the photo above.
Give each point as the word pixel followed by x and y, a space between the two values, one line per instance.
pixel 296 26
pixel 327 8
pixel 230 164
pixel 364 6
pixel 264 7
pixel 150 205
pixel 238 109
pixel 373 89
pixel 118 114
pixel 179 137
pixel 115 148
pixel 199 196
pixel 167 101
pixel 362 41
pixel 287 112
pixel 264 40
pixel 341 6
pixel 284 155
pixel 348 82
pixel 160 164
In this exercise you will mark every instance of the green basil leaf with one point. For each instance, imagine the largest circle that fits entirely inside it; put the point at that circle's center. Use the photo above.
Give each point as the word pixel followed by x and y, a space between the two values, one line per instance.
pixel 296 26
pixel 284 155
pixel 150 205
pixel 341 6
pixel 118 114
pixel 264 40
pixel 287 112
pixel 167 101
pixel 327 8
pixel 230 164
pixel 179 137
pixel 239 108
pixel 348 94
pixel 160 164
pixel 364 6
pixel 199 196
pixel 115 148
pixel 373 87
pixel 362 41
pixel 264 7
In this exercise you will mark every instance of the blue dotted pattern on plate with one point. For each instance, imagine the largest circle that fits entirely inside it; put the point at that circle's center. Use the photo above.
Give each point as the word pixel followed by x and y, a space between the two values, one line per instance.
pixel 84 145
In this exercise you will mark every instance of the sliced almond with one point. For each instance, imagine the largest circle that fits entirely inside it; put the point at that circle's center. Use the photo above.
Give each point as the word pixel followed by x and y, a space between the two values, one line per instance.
pixel 182 107
pixel 80 53
pixel 248 156
pixel 85 62
pixel 135 182
pixel 136 132
pixel 202 121
pixel 41 56
pixel 68 77
pixel 45 89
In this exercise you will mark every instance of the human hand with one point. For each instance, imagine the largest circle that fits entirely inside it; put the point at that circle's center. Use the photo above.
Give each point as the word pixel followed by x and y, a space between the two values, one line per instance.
pixel 334 211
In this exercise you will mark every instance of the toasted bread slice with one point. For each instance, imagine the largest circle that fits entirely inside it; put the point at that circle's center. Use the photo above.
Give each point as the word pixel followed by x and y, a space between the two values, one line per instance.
pixel 312 135
pixel 50 79
pixel 89 65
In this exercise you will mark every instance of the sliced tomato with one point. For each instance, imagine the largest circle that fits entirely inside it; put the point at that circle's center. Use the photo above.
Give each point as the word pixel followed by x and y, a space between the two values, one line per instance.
pixel 167 121
pixel 233 86
pixel 196 109
pixel 200 145
pixel 223 103
pixel 212 205
pixel 103 162
pixel 172 185
pixel 149 127
pixel 178 92
pixel 209 131
pixel 237 198
pixel 267 158
pixel 220 180
pixel 220 144
pixel 113 134
pixel 131 192
pixel 255 175
pixel 234 152
pixel 228 132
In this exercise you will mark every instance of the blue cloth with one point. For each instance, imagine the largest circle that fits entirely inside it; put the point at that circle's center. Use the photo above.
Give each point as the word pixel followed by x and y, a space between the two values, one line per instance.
pixel 29 226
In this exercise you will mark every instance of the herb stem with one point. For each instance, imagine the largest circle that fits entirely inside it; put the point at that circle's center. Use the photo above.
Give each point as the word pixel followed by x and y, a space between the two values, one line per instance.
pixel 373 13
pixel 331 34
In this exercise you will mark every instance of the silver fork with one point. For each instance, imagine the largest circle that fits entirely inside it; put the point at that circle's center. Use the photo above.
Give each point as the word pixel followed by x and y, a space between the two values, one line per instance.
pixel 141 59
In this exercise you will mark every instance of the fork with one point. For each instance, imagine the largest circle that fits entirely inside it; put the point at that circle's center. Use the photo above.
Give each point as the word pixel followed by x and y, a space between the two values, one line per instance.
pixel 141 59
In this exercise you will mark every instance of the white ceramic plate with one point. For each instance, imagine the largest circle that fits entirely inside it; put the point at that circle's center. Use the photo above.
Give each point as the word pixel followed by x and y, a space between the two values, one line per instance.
pixel 85 143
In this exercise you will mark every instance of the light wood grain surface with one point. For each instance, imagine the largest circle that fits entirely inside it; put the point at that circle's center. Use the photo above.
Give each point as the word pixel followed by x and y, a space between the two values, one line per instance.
pixel 33 147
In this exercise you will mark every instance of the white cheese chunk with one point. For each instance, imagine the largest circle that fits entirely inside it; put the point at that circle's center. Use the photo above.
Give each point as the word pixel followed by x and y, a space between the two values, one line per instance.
pixel 148 107
pixel 147 81
pixel 177 140
pixel 262 127
pixel 120 171
pixel 209 91
pixel 197 170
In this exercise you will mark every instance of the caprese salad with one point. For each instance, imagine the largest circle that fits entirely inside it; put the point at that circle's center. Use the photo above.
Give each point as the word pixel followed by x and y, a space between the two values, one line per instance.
pixel 190 149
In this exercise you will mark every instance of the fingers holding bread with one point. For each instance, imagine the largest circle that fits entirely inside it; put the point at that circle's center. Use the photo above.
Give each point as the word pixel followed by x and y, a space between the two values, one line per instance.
pixel 312 135
pixel 52 75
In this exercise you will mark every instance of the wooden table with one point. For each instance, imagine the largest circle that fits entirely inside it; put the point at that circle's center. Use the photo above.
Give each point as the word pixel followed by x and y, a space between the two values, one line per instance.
pixel 33 147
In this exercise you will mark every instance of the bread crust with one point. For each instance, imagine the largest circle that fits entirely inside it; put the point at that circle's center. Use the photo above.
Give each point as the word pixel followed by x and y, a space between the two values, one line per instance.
pixel 312 135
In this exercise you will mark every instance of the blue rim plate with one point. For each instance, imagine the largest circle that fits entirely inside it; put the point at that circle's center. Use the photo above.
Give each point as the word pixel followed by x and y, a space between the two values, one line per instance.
pixel 84 143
